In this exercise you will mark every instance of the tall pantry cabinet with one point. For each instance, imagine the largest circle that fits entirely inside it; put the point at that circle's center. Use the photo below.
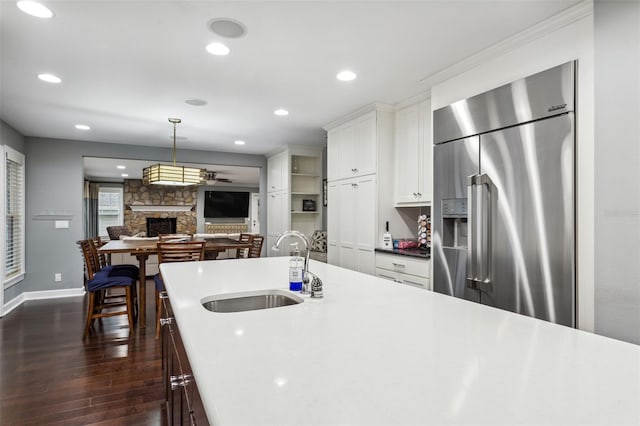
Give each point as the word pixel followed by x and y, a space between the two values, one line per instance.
pixel 294 184
pixel 360 186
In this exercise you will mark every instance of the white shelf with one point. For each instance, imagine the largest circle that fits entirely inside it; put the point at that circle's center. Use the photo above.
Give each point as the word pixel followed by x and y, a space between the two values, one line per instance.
pixel 301 212
pixel 305 175
pixel 305 193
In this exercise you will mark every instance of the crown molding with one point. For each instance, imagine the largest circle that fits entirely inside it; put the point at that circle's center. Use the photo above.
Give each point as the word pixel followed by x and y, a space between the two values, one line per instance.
pixel 554 23
pixel 420 97
pixel 376 106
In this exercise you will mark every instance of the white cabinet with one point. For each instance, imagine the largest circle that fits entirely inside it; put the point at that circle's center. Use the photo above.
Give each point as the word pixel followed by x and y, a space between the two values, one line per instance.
pixel 351 224
pixel 360 187
pixel 404 269
pixel 413 156
pixel 278 172
pixel 333 236
pixel 352 148
pixel 277 219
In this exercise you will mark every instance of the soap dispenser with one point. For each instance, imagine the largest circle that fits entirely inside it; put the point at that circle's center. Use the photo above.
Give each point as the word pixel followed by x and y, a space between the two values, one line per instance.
pixel 295 270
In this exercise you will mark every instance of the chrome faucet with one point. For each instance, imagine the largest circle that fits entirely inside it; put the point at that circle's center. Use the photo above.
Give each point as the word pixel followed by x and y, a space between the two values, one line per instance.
pixel 315 285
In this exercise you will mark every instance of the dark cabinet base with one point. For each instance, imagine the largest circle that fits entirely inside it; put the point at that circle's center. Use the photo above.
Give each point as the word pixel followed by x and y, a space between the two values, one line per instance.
pixel 184 406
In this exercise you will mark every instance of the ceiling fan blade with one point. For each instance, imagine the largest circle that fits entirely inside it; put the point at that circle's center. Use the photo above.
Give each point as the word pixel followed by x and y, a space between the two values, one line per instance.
pixel 211 175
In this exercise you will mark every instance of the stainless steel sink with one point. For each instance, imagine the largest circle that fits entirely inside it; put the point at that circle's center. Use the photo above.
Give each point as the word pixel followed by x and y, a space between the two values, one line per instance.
pixel 250 301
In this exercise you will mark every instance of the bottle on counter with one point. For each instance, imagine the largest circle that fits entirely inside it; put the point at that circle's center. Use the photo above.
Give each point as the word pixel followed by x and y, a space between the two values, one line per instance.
pixel 295 270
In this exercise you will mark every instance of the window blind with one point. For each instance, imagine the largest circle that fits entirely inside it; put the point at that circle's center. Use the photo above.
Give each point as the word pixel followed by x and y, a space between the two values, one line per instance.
pixel 14 215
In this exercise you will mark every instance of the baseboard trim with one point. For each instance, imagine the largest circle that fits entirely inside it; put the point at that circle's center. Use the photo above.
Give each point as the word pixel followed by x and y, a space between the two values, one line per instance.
pixel 39 295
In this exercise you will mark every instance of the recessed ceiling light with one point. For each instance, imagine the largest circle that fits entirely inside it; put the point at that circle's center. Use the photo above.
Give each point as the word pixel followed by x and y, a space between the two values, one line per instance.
pixel 34 8
pixel 49 78
pixel 82 127
pixel 124 175
pixel 239 142
pixel 195 102
pixel 227 27
pixel 218 49
pixel 281 112
pixel 346 75
pixel 121 167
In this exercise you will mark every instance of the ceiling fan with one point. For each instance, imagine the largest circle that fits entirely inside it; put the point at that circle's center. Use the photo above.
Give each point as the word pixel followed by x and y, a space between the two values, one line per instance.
pixel 212 176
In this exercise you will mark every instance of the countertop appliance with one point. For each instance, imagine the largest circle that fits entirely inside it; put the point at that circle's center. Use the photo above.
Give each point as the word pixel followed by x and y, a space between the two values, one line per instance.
pixel 504 197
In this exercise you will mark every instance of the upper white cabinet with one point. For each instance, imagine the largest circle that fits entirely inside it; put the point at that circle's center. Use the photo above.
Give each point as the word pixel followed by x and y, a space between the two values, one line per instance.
pixel 352 148
pixel 413 156
pixel 278 172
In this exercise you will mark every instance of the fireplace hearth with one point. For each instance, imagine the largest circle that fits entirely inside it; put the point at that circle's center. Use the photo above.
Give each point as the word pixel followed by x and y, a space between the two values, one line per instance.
pixel 164 225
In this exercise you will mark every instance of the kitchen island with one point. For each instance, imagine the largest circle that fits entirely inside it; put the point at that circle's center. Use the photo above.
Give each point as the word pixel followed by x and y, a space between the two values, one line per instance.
pixel 374 353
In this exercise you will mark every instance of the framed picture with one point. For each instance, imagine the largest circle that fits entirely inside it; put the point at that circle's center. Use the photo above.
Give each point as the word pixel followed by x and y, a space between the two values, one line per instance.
pixel 308 205
pixel 324 192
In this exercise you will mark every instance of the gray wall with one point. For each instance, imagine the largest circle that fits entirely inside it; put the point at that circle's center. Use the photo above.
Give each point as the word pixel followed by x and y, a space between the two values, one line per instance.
pixel 54 176
pixel 617 169
pixel 9 136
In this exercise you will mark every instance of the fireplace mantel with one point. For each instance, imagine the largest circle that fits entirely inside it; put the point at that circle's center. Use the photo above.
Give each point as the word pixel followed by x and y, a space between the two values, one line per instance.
pixel 163 208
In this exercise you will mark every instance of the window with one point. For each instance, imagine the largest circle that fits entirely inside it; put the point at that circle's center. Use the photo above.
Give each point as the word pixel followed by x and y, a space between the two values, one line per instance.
pixel 109 208
pixel 13 216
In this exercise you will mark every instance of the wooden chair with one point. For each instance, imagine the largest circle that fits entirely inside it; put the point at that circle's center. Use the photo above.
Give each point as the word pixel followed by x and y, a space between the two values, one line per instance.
pixel 256 246
pixel 98 282
pixel 103 259
pixel 183 251
pixel 115 232
pixel 243 253
pixel 125 269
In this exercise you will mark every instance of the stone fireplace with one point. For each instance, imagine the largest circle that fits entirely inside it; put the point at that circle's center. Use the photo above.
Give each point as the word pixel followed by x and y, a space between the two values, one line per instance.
pixel 161 225
pixel 144 202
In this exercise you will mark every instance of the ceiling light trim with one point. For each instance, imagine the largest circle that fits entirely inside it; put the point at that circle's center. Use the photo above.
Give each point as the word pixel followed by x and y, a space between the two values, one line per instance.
pixel 34 8
pixel 346 75
pixel 218 49
pixel 50 78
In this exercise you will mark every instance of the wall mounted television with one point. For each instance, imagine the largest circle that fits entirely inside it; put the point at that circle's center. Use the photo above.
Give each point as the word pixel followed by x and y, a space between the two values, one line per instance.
pixel 230 204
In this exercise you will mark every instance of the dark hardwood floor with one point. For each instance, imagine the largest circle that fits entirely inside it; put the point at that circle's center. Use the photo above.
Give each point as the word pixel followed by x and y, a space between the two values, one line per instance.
pixel 49 375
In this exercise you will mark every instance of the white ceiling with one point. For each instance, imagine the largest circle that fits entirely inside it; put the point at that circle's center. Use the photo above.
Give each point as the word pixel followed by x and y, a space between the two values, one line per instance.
pixel 127 66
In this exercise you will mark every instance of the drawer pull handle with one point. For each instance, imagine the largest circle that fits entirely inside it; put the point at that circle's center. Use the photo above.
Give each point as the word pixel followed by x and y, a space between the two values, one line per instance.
pixel 166 321
pixel 180 381
pixel 398 265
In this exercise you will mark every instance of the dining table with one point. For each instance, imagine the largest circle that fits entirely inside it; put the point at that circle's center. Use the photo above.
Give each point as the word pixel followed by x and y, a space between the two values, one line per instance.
pixel 142 248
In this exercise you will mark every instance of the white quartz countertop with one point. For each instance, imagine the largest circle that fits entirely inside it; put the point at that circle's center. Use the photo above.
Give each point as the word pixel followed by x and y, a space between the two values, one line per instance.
pixel 375 353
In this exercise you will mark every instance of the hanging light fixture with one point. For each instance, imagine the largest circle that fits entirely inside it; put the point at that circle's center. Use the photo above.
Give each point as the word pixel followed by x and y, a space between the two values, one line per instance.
pixel 171 174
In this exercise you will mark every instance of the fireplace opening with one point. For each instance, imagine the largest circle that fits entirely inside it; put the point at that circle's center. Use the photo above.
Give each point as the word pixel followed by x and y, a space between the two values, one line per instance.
pixel 163 225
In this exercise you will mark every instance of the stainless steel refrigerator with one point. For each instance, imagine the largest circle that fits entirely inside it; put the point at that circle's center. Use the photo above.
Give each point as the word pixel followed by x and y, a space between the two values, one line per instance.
pixel 504 199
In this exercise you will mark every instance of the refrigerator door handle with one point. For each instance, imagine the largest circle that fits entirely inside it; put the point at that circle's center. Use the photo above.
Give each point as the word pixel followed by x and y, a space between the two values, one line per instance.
pixel 479 248
pixel 472 276
pixel 485 184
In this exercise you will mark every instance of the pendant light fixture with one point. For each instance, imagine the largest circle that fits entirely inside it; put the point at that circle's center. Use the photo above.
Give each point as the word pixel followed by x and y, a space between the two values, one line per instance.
pixel 171 174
